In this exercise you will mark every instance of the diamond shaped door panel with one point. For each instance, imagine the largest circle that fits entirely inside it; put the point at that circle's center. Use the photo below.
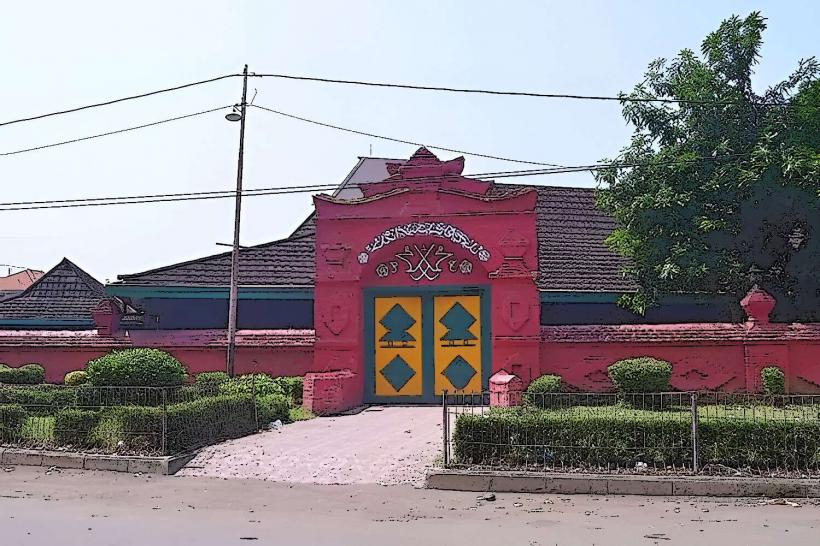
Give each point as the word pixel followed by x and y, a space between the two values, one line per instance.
pixel 398 346
pixel 457 344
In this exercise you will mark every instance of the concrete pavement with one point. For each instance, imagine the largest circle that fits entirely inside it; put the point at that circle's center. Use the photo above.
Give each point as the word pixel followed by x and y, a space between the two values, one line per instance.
pixel 88 508
pixel 384 444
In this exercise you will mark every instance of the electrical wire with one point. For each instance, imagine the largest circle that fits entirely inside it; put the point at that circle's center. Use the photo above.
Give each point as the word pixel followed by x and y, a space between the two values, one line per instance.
pixel 392 139
pixel 115 132
pixel 285 190
pixel 122 99
pixel 621 98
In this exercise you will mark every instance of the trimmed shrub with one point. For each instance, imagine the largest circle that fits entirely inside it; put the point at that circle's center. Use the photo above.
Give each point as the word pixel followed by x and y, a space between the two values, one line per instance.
pixel 28 374
pixel 262 384
pixel 292 386
pixel 12 417
pixel 541 392
pixel 76 378
pixel 189 425
pixel 74 427
pixel 128 429
pixel 642 374
pixel 39 399
pixel 265 385
pixel 774 380
pixel 211 380
pixel 272 407
pixel 578 439
pixel 136 368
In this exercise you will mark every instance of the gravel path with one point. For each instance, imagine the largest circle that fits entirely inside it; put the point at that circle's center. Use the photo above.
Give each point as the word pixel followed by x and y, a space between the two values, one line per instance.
pixel 384 445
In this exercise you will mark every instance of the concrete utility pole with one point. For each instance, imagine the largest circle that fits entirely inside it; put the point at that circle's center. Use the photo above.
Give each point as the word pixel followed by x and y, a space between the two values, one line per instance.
pixel 233 297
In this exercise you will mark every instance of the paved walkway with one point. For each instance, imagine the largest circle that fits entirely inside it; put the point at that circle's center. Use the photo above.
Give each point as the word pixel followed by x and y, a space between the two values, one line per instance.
pixel 384 445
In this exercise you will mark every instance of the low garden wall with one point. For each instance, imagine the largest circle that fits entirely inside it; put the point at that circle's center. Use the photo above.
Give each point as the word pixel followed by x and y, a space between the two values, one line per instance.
pixel 275 352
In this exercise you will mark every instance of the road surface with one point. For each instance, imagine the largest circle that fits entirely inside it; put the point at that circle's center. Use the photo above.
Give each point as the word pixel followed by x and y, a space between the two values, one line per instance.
pixel 83 508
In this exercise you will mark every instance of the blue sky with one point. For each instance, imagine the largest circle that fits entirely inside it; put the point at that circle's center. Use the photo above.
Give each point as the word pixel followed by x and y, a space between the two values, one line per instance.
pixel 63 54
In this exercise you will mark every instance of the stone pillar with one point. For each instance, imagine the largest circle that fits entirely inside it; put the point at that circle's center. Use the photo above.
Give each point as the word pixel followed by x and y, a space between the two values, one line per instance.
pixel 758 305
pixel 505 390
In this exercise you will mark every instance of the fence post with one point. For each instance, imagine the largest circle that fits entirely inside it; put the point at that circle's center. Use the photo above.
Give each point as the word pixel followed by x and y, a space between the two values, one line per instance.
pixel 164 420
pixel 445 426
pixel 253 395
pixel 694 405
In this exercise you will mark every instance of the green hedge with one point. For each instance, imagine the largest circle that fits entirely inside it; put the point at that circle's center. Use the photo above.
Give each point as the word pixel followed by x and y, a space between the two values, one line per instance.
pixel 74 427
pixel 642 374
pixel 774 380
pixel 211 380
pixel 136 368
pixel 541 391
pixel 12 417
pixel 599 439
pixel 273 407
pixel 39 399
pixel 189 424
pixel 76 378
pixel 28 374
pixel 264 385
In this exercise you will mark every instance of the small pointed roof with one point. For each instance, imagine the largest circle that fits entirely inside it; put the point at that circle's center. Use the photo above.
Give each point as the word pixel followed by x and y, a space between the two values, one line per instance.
pixel 63 296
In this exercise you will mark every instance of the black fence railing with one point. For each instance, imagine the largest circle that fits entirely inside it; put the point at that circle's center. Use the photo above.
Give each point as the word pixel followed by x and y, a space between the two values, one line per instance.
pixel 723 433
pixel 123 420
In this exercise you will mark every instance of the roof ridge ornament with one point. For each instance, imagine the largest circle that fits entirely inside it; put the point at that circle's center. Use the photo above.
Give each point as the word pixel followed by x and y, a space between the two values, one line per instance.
pixel 423 164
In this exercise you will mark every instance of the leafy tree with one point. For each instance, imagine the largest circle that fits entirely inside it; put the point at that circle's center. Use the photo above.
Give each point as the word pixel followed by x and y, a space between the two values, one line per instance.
pixel 722 189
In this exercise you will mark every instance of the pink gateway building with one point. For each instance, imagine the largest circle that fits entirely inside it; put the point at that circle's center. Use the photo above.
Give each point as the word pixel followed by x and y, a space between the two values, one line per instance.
pixel 410 280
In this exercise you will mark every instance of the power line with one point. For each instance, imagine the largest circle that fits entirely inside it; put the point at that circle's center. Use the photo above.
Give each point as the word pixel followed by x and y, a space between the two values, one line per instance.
pixel 621 98
pixel 122 99
pixel 115 132
pixel 392 139
pixel 284 190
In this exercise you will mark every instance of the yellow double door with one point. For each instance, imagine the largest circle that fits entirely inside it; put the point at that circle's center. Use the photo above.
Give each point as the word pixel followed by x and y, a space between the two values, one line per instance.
pixel 424 345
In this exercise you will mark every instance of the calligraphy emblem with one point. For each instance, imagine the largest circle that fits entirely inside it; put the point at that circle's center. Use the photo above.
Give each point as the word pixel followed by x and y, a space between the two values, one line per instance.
pixel 424 262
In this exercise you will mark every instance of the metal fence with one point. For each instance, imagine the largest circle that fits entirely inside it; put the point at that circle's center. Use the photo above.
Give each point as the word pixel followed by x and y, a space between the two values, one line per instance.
pixel 122 420
pixel 676 432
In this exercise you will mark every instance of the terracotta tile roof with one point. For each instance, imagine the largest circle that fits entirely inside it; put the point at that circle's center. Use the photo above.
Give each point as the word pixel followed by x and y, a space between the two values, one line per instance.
pixel 697 333
pixel 571 251
pixel 289 262
pixel 20 280
pixel 65 293
pixel 160 338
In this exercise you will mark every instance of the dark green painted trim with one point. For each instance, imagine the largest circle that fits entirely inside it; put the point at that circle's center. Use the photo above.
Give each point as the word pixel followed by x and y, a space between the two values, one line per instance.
pixel 612 297
pixel 195 292
pixel 427 335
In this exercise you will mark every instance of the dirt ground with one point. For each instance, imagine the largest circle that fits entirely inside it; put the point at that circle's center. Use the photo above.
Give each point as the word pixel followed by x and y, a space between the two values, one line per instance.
pixel 393 445
pixel 83 508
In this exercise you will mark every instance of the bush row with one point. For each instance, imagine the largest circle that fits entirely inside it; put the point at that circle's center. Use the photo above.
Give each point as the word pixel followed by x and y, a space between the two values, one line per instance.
pixel 28 374
pixel 557 438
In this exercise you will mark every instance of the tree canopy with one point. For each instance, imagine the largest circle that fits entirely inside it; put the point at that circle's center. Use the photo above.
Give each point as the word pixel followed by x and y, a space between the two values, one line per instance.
pixel 719 188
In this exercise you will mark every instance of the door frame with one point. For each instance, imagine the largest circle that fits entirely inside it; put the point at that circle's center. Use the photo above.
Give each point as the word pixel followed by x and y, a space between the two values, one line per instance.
pixel 426 293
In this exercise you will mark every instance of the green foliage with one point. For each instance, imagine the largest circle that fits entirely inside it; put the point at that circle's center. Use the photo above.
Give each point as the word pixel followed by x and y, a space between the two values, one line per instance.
pixel 541 391
pixel 272 407
pixel 189 425
pixel 616 437
pixel 12 417
pixel 774 380
pixel 39 399
pixel 211 380
pixel 264 385
pixel 28 374
pixel 292 387
pixel 642 374
pixel 717 189
pixel 74 427
pixel 136 368
pixel 300 413
pixel 76 378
